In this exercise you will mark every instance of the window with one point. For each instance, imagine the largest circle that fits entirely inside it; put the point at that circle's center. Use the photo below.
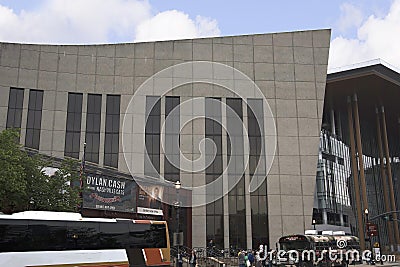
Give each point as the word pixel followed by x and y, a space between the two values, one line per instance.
pixel 171 145
pixel 259 212
pixel 93 119
pixel 15 105
pixel 152 136
pixel 73 129
pixel 236 196
pixel 111 147
pixel 213 131
pixel 34 121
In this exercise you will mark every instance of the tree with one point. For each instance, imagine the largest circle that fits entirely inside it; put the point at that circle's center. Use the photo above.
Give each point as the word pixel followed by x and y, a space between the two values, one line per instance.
pixel 24 186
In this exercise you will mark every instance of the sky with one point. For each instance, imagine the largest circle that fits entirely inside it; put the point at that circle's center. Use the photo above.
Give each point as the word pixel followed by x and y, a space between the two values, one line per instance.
pixel 362 30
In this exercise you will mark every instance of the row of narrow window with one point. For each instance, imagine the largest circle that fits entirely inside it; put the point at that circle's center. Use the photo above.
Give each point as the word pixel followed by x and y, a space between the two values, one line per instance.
pixel 73 123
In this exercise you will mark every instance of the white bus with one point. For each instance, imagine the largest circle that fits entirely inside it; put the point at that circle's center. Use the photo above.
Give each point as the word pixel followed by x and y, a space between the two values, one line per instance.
pixel 38 239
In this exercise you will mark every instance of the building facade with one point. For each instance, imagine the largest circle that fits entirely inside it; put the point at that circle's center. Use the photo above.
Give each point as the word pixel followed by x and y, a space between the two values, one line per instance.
pixel 235 119
pixel 357 175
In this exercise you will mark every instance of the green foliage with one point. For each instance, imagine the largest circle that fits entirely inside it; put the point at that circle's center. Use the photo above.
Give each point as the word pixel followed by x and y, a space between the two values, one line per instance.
pixel 23 184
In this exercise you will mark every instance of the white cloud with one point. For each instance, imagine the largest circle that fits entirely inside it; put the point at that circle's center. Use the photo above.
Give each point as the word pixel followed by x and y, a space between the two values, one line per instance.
pixel 174 24
pixel 350 17
pixel 94 21
pixel 376 38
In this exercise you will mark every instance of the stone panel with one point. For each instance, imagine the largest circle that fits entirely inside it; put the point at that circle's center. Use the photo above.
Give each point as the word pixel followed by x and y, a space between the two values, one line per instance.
pixel 302 38
pixel 264 71
pixel 290 165
pixel 286 108
pixel 290 185
pixel 304 73
pixel 288 146
pixel 105 66
pixel 262 39
pixel 274 205
pixel 9 76
pixel 292 205
pixel 263 54
pixel 48 61
pixel 27 78
pixel 242 53
pixel 87 64
pixel 273 185
pixel 283 39
pixel 306 109
pixel 303 55
pixel 68 63
pixel 292 225
pixel 183 50
pixel 222 52
pixel 47 80
pixel 283 54
pixel 285 90
pixel 306 90
pixel 29 59
pixel 287 126
pixel 10 54
pixel 284 72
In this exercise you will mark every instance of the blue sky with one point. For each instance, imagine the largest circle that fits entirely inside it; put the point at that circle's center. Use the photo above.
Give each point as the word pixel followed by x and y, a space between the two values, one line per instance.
pixel 361 30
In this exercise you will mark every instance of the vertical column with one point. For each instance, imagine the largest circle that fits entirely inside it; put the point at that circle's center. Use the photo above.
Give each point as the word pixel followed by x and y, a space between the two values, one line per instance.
pixel 355 175
pixel 383 176
pixel 360 153
pixel 389 173
pixel 225 185
pixel 246 186
pixel 162 137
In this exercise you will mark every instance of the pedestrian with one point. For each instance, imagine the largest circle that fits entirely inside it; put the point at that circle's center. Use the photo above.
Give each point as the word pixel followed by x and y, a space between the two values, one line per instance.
pixel 180 260
pixel 250 257
pixel 241 259
pixel 193 259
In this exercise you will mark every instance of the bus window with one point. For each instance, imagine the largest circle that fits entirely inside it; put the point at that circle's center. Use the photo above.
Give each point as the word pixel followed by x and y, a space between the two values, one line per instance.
pixel 48 235
pixel 295 245
pixel 14 235
pixel 147 236
pixel 83 235
pixel 113 235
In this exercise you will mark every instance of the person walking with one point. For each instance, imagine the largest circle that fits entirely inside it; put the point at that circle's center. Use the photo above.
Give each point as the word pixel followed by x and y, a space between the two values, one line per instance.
pixel 250 257
pixel 193 259
pixel 241 259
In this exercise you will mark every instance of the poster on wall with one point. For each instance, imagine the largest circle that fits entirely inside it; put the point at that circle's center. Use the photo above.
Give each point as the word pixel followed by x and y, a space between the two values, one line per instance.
pixel 150 200
pixel 109 193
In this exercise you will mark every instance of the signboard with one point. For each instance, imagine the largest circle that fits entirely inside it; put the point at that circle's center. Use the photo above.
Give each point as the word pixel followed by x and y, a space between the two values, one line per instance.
pixel 150 199
pixel 109 193
pixel 372 229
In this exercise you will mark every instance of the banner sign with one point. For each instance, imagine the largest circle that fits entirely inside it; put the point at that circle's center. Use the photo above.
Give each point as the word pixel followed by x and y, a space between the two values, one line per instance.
pixel 109 193
pixel 150 199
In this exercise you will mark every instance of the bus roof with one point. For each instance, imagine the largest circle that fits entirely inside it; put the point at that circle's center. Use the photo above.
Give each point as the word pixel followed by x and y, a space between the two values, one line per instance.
pixel 67 216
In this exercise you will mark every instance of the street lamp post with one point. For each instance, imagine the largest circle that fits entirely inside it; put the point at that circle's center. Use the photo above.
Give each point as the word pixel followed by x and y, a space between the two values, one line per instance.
pixel 370 239
pixel 177 187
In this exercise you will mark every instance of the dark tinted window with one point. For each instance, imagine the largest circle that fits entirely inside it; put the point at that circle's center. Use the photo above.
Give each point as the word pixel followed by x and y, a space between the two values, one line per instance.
pixel 147 236
pixel 73 129
pixel 171 145
pixel 93 128
pixel 213 131
pixel 34 120
pixel 111 146
pixel 15 104
pixel 152 136
pixel 47 235
pixel 83 235
pixel 14 235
